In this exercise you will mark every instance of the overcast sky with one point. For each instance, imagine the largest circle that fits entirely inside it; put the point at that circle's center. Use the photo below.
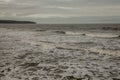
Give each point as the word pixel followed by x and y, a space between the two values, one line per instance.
pixel 61 11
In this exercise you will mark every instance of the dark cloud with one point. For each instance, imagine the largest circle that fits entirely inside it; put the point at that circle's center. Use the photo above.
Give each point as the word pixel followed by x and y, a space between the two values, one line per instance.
pixel 61 10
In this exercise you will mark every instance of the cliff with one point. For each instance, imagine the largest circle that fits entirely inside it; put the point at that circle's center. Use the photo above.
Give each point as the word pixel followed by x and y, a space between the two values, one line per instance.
pixel 16 22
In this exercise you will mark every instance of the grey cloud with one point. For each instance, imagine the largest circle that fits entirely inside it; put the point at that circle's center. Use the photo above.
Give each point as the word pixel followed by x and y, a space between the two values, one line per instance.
pixel 90 10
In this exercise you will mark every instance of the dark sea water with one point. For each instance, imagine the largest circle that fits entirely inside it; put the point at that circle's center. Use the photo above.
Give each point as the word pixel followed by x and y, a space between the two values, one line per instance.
pixel 66 26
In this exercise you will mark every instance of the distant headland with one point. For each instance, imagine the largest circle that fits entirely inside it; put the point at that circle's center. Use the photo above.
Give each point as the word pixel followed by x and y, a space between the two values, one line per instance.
pixel 16 22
